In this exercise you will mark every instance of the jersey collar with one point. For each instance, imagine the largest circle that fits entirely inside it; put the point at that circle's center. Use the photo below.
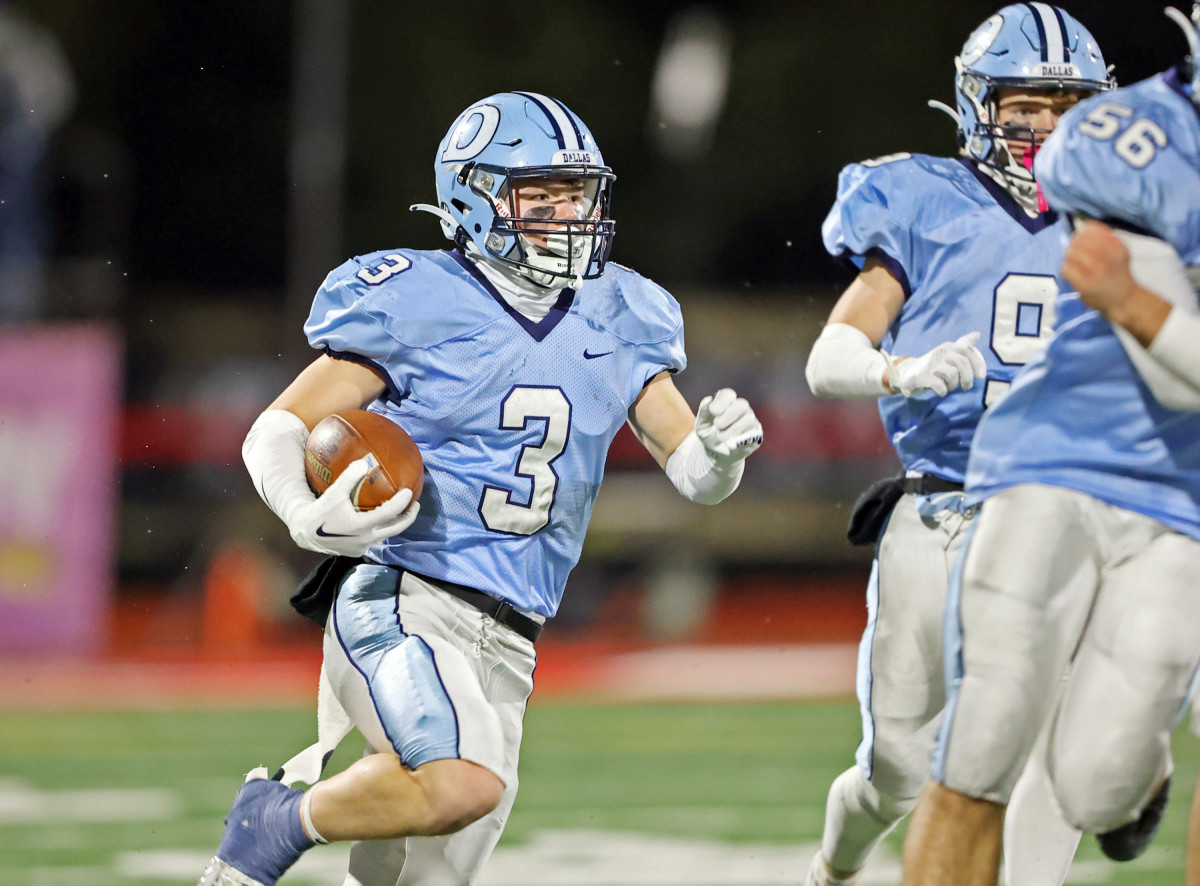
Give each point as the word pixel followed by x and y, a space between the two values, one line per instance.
pixel 1006 202
pixel 536 329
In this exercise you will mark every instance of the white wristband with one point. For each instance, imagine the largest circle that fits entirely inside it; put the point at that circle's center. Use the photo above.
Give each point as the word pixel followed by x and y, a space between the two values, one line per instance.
pixel 274 456
pixel 698 477
pixel 844 363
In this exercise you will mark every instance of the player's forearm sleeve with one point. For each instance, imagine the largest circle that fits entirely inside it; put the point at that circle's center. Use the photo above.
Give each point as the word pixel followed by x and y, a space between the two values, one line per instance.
pixel 1170 367
pixel 274 455
pixel 698 477
pixel 844 363
pixel 1175 348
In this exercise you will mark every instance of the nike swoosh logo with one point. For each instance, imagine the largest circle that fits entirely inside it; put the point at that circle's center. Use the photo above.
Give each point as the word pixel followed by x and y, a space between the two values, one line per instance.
pixel 321 532
pixel 587 355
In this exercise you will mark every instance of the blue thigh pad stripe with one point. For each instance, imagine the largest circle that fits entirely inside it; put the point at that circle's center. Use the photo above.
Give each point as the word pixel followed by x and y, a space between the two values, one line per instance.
pixel 952 651
pixel 864 678
pixel 401 670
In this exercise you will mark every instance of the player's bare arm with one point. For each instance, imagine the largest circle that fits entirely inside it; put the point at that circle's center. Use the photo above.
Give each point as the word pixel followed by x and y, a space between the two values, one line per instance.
pixel 871 303
pixel 1096 264
pixel 328 385
pixel 1140 285
pixel 660 418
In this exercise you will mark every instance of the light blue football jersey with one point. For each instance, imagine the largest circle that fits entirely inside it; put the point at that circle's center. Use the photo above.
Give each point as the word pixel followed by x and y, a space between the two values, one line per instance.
pixel 970 260
pixel 513 417
pixel 1080 415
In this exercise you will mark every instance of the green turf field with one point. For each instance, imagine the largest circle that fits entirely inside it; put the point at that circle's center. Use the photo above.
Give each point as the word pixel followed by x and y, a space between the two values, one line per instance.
pixel 637 795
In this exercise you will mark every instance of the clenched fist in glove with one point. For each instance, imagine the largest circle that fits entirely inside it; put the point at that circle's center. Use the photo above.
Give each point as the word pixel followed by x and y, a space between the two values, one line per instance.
pixel 707 465
pixel 949 366
pixel 727 427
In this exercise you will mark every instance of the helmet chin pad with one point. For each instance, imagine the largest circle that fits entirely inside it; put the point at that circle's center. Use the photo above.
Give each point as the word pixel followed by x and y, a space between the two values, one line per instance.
pixel 561 262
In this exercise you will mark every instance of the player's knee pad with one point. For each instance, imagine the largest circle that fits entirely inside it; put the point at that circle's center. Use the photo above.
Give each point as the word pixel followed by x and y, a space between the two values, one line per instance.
pixel 899 757
pixel 885 808
pixel 1104 787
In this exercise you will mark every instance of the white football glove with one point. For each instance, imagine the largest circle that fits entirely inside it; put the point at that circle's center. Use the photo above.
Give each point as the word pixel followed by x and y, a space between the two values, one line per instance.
pixel 727 427
pixel 330 524
pixel 951 365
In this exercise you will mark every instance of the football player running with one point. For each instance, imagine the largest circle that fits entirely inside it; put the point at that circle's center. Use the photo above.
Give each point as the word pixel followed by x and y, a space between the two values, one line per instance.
pixel 1086 551
pixel 955 293
pixel 512 359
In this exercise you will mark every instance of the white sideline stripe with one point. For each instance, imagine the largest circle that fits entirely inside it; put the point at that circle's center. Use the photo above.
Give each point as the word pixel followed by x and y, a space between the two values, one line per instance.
pixel 602 858
pixel 786 671
pixel 23 804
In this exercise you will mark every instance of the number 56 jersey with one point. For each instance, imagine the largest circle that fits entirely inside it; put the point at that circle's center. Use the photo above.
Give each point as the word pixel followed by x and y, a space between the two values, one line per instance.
pixel 513 417
pixel 969 260
pixel 1080 415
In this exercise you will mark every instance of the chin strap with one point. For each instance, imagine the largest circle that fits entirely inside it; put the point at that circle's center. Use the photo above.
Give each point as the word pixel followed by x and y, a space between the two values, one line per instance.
pixel 552 264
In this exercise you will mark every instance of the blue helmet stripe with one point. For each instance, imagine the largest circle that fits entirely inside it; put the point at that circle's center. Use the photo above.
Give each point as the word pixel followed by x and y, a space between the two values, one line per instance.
pixel 571 120
pixel 1050 32
pixel 1062 29
pixel 558 118
pixel 1041 29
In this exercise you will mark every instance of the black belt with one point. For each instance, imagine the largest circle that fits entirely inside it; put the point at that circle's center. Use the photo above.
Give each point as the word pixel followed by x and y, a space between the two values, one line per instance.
pixel 930 484
pixel 501 610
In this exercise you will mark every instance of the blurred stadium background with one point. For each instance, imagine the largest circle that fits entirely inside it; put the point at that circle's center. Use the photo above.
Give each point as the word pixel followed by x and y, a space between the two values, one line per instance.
pixel 175 179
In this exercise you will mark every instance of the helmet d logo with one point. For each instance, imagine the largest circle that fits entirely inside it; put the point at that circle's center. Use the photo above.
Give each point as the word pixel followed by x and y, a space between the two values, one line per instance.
pixel 476 129
pixel 979 42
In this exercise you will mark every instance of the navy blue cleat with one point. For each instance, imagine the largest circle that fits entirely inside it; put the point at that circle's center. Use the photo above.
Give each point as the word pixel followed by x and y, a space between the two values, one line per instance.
pixel 1130 840
pixel 263 836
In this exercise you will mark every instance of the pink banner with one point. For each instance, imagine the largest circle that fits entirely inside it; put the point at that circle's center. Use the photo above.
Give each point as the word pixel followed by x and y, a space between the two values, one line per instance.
pixel 59 407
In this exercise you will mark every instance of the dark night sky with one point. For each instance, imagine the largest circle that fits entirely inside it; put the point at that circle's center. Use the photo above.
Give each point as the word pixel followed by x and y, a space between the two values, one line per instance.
pixel 188 103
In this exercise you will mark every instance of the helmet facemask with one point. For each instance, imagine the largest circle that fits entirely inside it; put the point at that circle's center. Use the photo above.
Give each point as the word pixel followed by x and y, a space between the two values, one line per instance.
pixel 1033 48
pixel 1008 149
pixel 497 148
pixel 551 224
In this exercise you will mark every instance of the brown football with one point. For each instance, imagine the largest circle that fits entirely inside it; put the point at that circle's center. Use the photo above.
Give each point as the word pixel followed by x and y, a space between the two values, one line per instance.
pixel 344 437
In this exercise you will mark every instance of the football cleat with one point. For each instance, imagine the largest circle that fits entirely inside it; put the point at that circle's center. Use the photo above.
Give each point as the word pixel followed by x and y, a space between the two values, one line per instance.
pixel 263 836
pixel 1130 840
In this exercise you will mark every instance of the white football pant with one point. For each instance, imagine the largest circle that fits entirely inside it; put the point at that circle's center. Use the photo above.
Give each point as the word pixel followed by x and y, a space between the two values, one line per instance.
pixel 1054 578
pixel 425 675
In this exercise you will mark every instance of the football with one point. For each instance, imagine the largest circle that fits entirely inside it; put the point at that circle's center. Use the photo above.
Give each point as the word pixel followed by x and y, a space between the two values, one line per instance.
pixel 344 437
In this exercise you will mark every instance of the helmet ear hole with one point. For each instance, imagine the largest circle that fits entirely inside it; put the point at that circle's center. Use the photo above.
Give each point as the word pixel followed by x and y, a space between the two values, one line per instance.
pixel 478 229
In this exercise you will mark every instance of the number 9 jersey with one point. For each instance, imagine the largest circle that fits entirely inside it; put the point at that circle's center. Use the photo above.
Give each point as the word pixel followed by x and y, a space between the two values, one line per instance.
pixel 513 417
pixel 969 260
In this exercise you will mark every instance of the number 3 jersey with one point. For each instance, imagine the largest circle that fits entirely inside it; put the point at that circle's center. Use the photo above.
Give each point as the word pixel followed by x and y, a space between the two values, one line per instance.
pixel 513 417
pixel 1080 415
pixel 969 260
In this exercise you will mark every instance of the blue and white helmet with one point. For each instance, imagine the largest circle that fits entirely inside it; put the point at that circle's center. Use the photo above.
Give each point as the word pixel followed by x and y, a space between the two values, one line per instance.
pixel 1028 46
pixel 491 149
